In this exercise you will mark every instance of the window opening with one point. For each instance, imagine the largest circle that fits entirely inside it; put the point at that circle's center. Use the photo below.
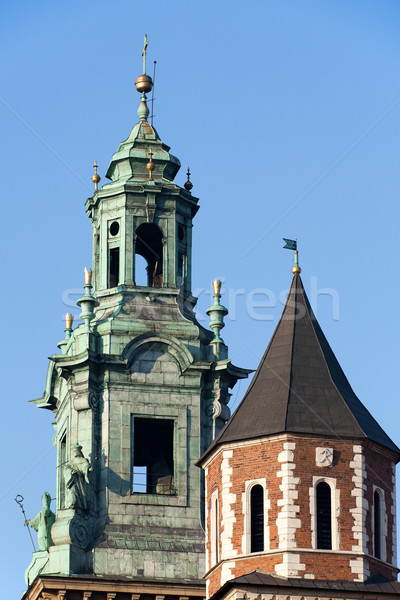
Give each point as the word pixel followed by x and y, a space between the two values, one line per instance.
pixel 214 528
pixel 377 525
pixel 113 278
pixel 257 519
pixel 114 228
pixel 324 516
pixel 181 269
pixel 153 456
pixel 62 467
pixel 149 245
pixel 216 532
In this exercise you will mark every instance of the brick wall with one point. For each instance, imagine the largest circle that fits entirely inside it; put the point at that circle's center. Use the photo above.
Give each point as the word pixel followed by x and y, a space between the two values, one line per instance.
pixel 287 467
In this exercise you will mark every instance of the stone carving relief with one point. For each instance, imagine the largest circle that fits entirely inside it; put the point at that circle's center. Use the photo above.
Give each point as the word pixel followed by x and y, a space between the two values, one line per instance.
pixel 324 457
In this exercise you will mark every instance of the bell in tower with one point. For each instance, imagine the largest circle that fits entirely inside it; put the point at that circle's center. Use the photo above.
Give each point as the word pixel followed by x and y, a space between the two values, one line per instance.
pixel 140 388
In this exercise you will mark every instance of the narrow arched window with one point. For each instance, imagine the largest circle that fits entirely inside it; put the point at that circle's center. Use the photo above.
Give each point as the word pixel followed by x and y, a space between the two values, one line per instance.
pixel 377 525
pixel 214 526
pixel 257 519
pixel 216 532
pixel 324 516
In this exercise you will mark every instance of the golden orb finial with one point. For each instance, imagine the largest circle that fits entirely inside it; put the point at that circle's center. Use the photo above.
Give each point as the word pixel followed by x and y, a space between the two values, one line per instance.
pixel 144 84
pixel 296 270
pixel 188 184
pixel 96 177
pixel 150 165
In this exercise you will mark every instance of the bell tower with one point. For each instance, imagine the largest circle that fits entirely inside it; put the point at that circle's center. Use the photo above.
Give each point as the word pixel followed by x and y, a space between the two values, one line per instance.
pixel 140 388
pixel 142 212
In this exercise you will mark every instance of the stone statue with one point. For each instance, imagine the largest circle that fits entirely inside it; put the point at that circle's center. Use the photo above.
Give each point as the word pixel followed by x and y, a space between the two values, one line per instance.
pixel 43 522
pixel 78 483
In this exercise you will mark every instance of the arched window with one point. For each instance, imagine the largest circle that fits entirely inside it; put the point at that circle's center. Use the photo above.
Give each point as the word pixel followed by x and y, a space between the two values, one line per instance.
pixel 324 516
pixel 149 245
pixel 379 524
pixel 257 519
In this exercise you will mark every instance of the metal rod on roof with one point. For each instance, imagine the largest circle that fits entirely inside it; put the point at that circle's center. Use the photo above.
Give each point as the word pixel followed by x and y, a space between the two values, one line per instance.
pixel 152 93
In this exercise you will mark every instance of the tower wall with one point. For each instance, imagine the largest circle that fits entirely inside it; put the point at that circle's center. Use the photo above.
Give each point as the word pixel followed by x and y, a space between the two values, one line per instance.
pixel 140 388
pixel 289 468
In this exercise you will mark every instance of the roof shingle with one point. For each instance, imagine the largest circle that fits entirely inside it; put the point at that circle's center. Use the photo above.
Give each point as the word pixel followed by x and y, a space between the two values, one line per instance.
pixel 299 386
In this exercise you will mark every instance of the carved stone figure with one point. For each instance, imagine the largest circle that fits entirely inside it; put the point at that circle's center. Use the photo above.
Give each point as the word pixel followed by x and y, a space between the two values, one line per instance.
pixel 43 522
pixel 78 482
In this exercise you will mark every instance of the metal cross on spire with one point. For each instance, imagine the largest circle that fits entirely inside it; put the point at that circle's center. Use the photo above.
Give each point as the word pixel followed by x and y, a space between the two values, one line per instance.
pixel 144 54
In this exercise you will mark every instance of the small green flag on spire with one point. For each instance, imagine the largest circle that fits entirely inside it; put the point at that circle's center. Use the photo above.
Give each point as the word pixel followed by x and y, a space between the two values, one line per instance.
pixel 290 244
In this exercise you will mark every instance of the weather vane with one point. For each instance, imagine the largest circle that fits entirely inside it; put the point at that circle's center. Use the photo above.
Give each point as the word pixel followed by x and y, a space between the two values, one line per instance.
pixel 292 245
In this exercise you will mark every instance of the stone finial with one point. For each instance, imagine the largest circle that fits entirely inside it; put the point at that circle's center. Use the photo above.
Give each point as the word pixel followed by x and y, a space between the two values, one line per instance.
pixel 87 302
pixel 217 312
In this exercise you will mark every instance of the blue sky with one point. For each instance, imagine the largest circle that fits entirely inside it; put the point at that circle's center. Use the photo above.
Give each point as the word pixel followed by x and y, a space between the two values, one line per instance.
pixel 288 114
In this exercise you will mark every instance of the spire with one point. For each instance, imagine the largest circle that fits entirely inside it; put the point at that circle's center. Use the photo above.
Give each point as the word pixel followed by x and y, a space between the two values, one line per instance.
pixel 144 85
pixel 131 159
pixel 299 386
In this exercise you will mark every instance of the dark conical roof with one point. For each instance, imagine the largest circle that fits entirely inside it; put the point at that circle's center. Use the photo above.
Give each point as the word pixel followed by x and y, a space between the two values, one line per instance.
pixel 299 386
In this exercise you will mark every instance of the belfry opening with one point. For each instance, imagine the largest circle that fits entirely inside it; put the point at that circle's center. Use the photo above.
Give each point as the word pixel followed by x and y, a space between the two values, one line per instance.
pixel 149 245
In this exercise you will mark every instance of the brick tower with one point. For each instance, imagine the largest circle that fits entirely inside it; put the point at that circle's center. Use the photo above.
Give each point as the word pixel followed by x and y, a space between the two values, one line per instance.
pixel 300 483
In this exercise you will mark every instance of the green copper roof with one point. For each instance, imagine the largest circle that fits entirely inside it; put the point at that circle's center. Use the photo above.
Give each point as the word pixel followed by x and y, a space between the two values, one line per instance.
pixel 130 160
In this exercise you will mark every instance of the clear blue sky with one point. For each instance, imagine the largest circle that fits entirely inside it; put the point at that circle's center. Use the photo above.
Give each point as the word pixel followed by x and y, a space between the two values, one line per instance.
pixel 288 114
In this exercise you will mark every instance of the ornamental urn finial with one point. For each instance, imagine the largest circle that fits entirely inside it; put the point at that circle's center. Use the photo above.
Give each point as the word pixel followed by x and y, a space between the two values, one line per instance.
pixel 217 312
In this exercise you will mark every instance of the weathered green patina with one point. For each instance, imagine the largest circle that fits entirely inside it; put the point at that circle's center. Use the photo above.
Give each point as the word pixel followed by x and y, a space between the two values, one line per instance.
pixel 138 385
pixel 43 522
